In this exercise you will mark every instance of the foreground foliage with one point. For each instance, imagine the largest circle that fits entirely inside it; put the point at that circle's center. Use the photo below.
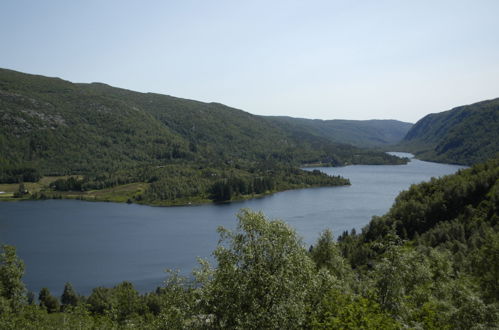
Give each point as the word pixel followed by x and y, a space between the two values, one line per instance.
pixel 432 262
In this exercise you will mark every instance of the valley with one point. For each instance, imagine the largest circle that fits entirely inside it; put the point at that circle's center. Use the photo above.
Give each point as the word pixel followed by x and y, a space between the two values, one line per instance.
pixel 64 144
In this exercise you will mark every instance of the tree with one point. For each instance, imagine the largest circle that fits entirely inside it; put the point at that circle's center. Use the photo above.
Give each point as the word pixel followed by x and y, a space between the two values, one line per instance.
pixel 126 302
pixel 486 267
pixel 21 190
pixel 175 303
pixel 119 303
pixel 100 300
pixel 31 297
pixel 11 272
pixel 346 311
pixel 69 296
pixel 326 254
pixel 404 280
pixel 48 301
pixel 263 278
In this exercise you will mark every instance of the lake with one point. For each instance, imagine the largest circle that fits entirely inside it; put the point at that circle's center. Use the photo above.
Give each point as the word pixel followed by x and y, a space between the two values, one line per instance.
pixel 94 244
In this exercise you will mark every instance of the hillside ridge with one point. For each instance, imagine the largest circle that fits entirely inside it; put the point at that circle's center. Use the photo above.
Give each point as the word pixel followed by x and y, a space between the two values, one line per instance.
pixel 177 149
pixel 465 135
pixel 372 133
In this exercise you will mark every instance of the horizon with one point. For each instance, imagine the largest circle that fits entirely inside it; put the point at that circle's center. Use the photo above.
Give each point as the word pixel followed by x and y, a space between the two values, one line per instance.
pixel 316 60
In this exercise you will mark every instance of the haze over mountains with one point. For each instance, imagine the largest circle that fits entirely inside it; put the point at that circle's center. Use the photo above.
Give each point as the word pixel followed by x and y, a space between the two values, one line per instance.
pixel 360 133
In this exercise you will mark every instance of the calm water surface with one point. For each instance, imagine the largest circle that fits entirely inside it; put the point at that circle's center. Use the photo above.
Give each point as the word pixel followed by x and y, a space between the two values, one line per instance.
pixel 101 244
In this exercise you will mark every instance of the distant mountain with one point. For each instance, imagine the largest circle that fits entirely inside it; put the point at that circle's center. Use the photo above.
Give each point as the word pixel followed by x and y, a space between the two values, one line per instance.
pixel 113 136
pixel 464 135
pixel 360 133
pixel 63 127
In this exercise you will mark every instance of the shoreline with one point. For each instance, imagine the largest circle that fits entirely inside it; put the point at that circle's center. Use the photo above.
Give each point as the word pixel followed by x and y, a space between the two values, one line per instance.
pixel 180 202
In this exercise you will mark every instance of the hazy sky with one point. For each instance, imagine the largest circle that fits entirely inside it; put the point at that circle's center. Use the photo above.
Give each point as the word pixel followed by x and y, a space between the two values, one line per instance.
pixel 315 59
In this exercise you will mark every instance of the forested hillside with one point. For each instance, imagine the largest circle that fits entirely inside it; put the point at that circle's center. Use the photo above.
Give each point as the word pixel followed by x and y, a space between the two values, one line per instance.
pixel 360 133
pixel 463 135
pixel 98 137
pixel 432 262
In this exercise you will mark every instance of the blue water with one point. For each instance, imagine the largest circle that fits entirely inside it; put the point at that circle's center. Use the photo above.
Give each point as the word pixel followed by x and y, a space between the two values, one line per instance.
pixel 94 244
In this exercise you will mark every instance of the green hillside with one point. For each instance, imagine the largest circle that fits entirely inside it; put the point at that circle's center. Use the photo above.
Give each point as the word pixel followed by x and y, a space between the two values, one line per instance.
pixel 434 257
pixel 360 133
pixel 182 150
pixel 464 135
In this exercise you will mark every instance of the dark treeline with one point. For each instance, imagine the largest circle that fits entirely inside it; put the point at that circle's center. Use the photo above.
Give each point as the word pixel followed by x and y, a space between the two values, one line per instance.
pixel 199 183
pixel 16 174
pixel 432 262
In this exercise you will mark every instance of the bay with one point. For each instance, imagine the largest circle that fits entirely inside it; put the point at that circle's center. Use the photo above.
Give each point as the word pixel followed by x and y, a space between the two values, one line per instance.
pixel 94 244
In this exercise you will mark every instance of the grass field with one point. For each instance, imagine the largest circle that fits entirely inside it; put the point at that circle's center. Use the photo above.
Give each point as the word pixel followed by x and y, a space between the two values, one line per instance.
pixel 120 193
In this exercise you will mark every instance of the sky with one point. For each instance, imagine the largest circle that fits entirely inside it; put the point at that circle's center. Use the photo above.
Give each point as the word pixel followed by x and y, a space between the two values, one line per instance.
pixel 315 59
